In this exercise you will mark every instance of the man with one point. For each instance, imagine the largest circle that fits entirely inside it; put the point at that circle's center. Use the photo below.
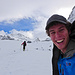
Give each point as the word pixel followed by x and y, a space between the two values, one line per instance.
pixel 59 30
pixel 24 44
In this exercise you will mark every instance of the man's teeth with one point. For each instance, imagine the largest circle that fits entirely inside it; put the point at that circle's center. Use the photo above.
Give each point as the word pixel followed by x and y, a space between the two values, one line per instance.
pixel 60 41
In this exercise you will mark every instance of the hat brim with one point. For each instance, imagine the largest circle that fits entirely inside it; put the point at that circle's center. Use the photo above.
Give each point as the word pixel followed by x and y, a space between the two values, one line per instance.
pixel 49 24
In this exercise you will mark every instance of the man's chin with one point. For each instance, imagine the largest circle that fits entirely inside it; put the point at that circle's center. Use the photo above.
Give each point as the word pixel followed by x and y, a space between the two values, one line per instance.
pixel 59 47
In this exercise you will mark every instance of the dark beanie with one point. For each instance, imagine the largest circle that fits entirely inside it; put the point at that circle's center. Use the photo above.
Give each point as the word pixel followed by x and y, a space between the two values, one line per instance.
pixel 55 18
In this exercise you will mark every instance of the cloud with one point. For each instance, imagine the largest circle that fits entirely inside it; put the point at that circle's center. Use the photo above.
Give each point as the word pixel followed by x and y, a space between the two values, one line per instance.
pixel 15 10
pixel 64 11
pixel 18 9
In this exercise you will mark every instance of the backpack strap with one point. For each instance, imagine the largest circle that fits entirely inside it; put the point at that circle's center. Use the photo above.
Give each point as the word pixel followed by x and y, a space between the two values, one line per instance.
pixel 72 35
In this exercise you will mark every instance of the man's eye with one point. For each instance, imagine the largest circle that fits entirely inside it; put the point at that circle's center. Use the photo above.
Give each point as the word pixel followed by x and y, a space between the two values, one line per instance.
pixel 52 32
pixel 61 30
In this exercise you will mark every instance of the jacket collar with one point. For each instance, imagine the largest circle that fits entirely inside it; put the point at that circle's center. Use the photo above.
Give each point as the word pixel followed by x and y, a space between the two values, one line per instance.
pixel 70 47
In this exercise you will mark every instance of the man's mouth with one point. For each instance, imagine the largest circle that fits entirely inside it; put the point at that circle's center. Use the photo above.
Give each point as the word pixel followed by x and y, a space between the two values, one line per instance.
pixel 60 41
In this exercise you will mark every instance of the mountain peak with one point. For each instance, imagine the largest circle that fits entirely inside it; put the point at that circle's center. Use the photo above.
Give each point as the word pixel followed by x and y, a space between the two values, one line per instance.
pixel 71 17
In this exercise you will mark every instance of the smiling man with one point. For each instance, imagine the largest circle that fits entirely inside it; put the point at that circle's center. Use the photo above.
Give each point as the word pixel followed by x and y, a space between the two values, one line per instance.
pixel 58 29
pixel 60 36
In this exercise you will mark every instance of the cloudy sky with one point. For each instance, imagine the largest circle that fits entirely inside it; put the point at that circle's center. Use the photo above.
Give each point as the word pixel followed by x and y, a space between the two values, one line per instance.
pixel 30 16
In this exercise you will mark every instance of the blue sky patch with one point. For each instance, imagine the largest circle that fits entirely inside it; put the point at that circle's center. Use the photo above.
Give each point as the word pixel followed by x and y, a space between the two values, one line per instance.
pixel 23 24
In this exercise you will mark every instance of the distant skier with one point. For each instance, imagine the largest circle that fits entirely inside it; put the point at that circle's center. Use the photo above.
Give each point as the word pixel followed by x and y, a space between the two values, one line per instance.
pixel 24 44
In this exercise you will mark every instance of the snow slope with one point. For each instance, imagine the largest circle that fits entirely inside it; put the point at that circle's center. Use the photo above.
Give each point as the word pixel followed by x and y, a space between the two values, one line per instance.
pixel 36 60
pixel 71 17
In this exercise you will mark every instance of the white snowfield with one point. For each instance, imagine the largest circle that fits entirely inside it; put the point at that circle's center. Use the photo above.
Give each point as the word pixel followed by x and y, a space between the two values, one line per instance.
pixel 36 60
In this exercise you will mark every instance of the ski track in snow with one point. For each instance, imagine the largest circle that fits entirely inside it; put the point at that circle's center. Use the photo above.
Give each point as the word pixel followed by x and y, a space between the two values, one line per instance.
pixel 36 60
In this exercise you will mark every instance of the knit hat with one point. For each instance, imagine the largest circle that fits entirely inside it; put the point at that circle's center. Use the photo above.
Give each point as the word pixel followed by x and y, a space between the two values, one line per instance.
pixel 55 18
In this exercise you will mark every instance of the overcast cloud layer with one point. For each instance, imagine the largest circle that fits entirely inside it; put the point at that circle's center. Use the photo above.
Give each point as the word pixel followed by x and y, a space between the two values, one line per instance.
pixel 40 10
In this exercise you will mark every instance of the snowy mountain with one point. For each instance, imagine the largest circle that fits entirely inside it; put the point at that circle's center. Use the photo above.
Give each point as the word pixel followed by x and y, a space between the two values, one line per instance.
pixel 5 37
pixel 19 36
pixel 13 37
pixel 71 17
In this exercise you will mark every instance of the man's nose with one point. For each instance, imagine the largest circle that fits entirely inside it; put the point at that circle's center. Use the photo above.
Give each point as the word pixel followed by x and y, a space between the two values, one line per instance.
pixel 58 34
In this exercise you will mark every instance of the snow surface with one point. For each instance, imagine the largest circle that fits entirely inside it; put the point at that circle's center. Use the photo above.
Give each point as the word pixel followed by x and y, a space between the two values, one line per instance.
pixel 36 60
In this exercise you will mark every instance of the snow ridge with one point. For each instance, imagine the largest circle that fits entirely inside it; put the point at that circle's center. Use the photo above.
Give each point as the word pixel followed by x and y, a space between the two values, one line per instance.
pixel 71 17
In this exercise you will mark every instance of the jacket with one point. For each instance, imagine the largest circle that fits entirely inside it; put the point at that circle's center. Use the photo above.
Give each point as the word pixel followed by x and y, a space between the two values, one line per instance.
pixel 24 43
pixel 56 54
pixel 66 66
pixel 66 62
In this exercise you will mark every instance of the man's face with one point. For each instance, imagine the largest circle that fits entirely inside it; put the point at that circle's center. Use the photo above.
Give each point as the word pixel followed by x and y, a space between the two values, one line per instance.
pixel 60 36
